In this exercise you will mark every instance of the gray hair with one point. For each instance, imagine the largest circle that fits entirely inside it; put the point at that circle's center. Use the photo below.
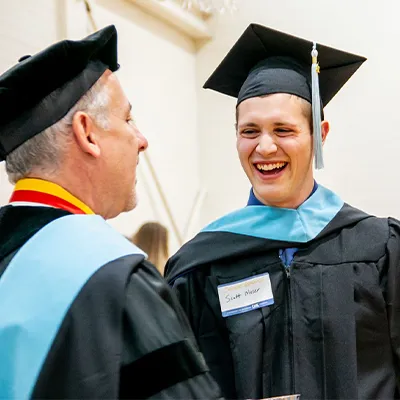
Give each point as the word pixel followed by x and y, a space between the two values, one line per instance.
pixel 45 150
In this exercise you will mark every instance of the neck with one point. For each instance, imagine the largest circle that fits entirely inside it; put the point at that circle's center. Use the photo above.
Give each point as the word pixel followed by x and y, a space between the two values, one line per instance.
pixel 82 189
pixel 41 192
pixel 83 176
pixel 303 194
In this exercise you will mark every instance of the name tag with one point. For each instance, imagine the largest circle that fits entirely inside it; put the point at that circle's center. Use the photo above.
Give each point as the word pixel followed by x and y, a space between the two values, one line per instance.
pixel 245 295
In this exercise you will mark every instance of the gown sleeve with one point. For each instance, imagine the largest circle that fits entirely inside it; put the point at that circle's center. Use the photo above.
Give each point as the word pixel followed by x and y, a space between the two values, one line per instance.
pixel 161 358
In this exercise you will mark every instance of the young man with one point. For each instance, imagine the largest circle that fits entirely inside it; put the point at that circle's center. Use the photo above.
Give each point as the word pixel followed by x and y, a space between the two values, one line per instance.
pixel 82 315
pixel 297 293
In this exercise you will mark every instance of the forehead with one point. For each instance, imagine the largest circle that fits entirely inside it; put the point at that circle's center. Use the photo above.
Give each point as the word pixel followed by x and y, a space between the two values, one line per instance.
pixel 278 105
pixel 116 93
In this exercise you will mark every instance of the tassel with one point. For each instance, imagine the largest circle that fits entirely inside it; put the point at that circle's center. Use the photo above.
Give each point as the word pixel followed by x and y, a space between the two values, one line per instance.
pixel 316 110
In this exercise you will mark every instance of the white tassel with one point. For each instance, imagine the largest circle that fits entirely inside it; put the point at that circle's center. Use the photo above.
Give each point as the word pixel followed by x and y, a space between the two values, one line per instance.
pixel 316 110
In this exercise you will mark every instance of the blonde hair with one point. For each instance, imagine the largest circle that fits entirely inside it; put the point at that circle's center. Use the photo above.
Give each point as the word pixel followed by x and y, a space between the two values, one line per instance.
pixel 152 238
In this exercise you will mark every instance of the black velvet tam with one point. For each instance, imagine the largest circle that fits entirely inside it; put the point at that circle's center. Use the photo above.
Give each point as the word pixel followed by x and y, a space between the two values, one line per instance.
pixel 41 89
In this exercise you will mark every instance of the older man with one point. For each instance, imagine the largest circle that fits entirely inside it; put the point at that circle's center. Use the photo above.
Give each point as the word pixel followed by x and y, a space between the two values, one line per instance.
pixel 297 293
pixel 82 315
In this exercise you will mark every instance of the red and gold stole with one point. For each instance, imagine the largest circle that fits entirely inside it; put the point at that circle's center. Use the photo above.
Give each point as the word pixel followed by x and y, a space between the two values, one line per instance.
pixel 40 192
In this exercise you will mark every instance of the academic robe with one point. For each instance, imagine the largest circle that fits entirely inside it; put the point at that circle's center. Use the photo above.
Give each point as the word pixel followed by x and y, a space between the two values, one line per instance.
pixel 124 335
pixel 333 328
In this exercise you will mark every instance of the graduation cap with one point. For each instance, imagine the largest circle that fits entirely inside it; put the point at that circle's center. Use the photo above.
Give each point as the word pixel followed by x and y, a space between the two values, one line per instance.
pixel 41 89
pixel 265 61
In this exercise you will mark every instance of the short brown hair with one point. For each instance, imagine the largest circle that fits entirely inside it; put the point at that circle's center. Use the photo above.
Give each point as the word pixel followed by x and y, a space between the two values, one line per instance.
pixel 305 106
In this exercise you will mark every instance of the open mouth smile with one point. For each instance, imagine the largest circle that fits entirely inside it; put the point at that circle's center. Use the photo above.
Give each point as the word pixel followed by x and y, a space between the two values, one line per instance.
pixel 271 169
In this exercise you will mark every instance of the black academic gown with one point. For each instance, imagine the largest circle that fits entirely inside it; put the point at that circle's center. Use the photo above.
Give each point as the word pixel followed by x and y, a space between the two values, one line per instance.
pixel 124 335
pixel 333 331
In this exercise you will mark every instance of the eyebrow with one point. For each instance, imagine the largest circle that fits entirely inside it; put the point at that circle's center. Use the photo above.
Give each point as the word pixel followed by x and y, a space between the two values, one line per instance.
pixel 284 124
pixel 248 124
pixel 276 124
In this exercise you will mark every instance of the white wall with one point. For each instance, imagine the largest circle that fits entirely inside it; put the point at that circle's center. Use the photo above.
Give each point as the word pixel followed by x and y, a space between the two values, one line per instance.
pixel 364 143
pixel 22 33
pixel 158 73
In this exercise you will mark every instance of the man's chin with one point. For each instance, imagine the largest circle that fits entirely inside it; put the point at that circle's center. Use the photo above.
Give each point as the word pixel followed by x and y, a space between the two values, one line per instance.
pixel 131 204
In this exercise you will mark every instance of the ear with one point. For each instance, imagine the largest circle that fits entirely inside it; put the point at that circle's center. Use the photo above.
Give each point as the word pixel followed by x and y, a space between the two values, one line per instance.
pixel 324 130
pixel 84 128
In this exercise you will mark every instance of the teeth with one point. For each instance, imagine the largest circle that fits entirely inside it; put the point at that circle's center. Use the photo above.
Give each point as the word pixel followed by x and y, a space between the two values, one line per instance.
pixel 270 167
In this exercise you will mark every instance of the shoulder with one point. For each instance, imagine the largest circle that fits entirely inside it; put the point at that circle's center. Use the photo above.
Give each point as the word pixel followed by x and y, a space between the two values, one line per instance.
pixel 105 290
pixel 96 311
pixel 379 226
pixel 352 236
pixel 205 248
pixel 103 297
pixel 115 274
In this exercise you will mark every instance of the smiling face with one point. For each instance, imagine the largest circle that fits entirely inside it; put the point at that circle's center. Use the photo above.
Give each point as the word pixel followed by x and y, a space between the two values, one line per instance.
pixel 275 148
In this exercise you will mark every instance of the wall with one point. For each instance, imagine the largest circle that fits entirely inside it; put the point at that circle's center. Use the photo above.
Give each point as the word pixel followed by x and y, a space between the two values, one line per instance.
pixel 22 31
pixel 364 142
pixel 158 73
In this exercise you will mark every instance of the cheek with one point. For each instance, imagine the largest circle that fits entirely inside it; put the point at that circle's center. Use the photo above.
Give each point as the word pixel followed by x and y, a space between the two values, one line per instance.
pixel 244 148
pixel 129 145
pixel 307 149
pixel 297 148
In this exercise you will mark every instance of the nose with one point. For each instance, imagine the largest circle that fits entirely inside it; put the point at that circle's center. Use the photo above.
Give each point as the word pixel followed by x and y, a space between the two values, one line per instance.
pixel 143 143
pixel 266 145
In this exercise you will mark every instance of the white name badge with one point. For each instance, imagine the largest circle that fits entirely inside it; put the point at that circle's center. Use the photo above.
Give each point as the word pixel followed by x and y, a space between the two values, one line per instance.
pixel 245 295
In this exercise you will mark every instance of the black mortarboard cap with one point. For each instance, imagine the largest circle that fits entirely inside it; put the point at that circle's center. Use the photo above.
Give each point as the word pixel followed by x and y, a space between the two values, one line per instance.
pixel 265 61
pixel 281 63
pixel 41 89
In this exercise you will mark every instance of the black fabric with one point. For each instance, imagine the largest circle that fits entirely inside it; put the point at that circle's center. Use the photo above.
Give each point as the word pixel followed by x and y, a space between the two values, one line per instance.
pixel 18 224
pixel 210 248
pixel 277 75
pixel 123 313
pixel 41 89
pixel 85 358
pixel 264 61
pixel 198 384
pixel 332 332
pixel 183 363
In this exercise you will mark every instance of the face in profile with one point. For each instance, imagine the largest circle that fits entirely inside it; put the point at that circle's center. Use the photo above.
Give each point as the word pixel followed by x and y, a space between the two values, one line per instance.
pixel 275 148
pixel 121 144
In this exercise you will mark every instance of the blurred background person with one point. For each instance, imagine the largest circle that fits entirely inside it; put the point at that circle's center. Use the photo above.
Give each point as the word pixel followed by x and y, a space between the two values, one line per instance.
pixel 152 238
